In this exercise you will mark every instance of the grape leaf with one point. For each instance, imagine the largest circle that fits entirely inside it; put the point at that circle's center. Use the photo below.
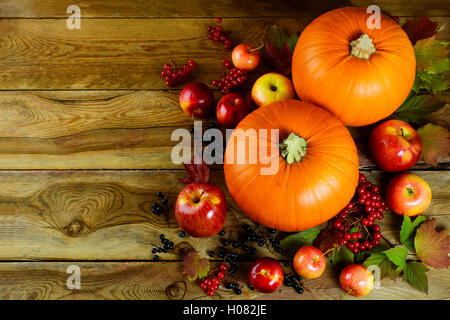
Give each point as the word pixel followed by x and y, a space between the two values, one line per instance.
pixel 194 266
pixel 429 82
pixel 198 171
pixel 432 55
pixel 420 29
pixel 408 230
pixel 341 257
pixel 435 143
pixel 278 48
pixel 388 269
pixel 415 273
pixel 415 108
pixel 398 256
pixel 374 259
pixel 297 240
pixel 432 247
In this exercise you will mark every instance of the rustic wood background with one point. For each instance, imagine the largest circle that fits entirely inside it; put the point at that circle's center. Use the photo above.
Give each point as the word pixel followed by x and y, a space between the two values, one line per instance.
pixel 85 144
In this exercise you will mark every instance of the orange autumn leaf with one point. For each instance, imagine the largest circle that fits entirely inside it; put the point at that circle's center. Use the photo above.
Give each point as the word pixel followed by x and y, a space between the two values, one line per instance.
pixel 432 247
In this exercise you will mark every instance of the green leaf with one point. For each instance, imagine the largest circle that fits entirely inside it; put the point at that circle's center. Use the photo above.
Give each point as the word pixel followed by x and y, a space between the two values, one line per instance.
pixel 388 269
pixel 415 273
pixel 431 55
pixel 415 108
pixel 398 256
pixel 374 259
pixel 340 258
pixel 408 231
pixel 435 143
pixel 303 238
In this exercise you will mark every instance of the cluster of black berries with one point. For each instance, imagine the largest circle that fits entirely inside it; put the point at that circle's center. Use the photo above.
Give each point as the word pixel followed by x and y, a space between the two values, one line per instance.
pixel 295 281
pixel 160 208
pixel 233 286
pixel 166 246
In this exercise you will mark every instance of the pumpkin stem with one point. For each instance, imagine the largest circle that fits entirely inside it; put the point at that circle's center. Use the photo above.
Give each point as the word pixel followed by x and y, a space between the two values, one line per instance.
pixel 362 47
pixel 293 148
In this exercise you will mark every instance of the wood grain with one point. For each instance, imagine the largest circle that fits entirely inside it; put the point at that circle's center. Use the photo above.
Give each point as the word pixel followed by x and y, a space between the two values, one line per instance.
pixel 114 54
pixel 106 215
pixel 103 130
pixel 212 9
pixel 164 281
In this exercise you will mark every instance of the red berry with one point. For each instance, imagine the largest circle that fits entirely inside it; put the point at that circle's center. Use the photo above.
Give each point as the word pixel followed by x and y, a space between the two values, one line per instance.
pixel 221 275
pixel 337 223
pixel 362 178
pixel 223 267
pixel 210 293
pixel 347 236
pixel 376 228
pixel 203 286
pixel 219 20
pixel 377 235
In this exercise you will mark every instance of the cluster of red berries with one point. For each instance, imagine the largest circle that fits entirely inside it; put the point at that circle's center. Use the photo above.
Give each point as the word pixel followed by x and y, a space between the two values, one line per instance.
pixel 356 221
pixel 175 76
pixel 211 284
pixel 233 79
pixel 218 34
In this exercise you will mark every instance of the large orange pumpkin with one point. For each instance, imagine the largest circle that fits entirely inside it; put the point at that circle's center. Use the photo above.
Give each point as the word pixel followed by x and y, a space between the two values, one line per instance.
pixel 361 75
pixel 317 170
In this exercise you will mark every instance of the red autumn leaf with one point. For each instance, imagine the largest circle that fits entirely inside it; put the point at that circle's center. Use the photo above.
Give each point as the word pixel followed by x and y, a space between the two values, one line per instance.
pixel 278 59
pixel 195 266
pixel 432 247
pixel 278 48
pixel 198 171
pixel 435 141
pixel 420 29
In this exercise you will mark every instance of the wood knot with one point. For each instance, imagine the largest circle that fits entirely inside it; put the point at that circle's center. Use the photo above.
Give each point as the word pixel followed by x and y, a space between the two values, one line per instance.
pixel 74 228
pixel 176 290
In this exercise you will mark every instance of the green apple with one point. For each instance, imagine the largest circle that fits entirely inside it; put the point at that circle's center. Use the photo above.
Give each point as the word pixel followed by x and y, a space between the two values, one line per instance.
pixel 272 87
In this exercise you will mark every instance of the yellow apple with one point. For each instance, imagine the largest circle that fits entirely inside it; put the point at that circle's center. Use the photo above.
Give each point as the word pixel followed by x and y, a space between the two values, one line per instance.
pixel 272 87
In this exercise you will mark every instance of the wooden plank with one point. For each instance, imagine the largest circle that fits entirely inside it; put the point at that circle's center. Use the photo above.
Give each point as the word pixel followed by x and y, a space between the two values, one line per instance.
pixel 204 8
pixel 43 54
pixel 106 215
pixel 164 281
pixel 103 130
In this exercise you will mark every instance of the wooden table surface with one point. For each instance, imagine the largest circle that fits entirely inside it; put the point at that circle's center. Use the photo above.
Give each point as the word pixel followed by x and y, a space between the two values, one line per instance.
pixel 85 144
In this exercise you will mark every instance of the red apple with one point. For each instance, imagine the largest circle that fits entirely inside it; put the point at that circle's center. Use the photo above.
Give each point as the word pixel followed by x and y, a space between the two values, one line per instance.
pixel 309 262
pixel 356 280
pixel 266 275
pixel 272 87
pixel 200 209
pixel 395 146
pixel 245 57
pixel 408 194
pixel 232 108
pixel 197 99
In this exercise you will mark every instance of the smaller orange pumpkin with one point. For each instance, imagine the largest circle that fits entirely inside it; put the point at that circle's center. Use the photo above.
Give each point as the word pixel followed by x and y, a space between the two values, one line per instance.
pixel 359 74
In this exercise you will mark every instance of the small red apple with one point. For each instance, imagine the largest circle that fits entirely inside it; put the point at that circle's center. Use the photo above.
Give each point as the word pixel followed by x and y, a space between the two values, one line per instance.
pixel 309 262
pixel 266 275
pixel 232 108
pixel 245 57
pixel 272 87
pixel 408 194
pixel 356 280
pixel 197 99
pixel 200 209
pixel 395 146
